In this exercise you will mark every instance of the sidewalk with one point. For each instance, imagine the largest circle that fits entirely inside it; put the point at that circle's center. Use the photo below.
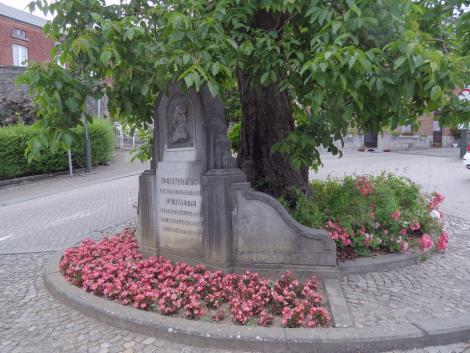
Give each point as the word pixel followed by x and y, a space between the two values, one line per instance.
pixel 121 166
pixel 447 152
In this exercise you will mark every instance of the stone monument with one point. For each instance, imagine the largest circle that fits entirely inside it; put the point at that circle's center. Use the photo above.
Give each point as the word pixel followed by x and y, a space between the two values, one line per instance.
pixel 196 206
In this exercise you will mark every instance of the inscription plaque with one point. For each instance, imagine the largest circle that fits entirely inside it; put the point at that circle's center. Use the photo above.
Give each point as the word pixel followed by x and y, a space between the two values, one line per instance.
pixel 180 220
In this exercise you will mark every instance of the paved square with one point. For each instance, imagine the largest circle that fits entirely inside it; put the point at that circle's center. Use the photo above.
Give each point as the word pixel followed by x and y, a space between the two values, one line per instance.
pixel 33 225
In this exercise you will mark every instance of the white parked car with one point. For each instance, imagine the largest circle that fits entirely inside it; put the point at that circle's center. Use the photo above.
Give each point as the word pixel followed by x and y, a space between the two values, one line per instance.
pixel 466 160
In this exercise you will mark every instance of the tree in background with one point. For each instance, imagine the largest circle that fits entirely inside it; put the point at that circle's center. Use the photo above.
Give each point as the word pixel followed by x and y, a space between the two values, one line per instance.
pixel 305 71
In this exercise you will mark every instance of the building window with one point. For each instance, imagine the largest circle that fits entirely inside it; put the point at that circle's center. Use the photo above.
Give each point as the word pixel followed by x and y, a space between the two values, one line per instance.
pixel 18 33
pixel 20 55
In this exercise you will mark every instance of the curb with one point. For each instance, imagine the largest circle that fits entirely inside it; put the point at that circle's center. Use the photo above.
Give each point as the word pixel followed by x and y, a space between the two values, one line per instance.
pixel 29 178
pixel 202 334
pixel 382 263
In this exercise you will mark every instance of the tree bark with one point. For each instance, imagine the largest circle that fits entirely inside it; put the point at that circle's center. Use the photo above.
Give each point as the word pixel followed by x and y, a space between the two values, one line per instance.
pixel 267 119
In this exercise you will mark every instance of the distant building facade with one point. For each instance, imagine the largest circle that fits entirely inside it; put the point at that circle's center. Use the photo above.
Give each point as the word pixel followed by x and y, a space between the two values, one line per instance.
pixel 429 134
pixel 22 38
pixel 23 41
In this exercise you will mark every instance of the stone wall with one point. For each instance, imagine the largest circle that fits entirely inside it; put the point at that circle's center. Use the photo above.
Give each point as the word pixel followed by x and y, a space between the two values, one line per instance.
pixel 8 87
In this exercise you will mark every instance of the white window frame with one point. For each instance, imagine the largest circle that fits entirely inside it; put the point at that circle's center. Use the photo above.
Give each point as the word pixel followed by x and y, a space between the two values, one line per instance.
pixel 20 55
pixel 19 33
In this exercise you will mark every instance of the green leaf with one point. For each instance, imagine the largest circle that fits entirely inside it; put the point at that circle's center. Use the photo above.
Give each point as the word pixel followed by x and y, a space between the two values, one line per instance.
pixel 265 78
pixel 105 57
pixel 436 93
pixel 231 42
pixel 356 10
pixel 72 104
pixel 246 48
pixel 399 62
pixel 213 88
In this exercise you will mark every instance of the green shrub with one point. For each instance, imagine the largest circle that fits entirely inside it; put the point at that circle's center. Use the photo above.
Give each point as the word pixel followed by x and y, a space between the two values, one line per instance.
pixel 384 213
pixel 13 141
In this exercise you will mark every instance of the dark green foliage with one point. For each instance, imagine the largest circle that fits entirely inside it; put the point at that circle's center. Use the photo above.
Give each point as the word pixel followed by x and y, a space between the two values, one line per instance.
pixel 343 203
pixel 348 63
pixel 14 139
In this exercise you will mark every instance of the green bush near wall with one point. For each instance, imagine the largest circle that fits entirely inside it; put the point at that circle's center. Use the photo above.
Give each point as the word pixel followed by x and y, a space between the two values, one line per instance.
pixel 14 138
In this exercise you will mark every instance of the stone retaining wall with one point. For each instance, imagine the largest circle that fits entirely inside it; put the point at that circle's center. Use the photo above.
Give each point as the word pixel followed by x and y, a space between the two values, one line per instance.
pixel 8 87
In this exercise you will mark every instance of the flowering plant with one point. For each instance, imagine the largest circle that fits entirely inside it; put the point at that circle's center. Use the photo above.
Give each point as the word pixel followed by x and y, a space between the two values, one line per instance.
pixel 114 268
pixel 370 214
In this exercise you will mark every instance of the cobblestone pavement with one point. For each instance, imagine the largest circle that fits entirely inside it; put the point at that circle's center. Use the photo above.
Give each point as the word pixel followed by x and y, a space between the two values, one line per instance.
pixel 437 287
pixel 31 320
pixel 62 219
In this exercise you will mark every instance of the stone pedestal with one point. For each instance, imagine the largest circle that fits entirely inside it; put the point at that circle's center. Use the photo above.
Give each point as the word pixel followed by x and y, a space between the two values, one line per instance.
pixel 146 212
pixel 218 242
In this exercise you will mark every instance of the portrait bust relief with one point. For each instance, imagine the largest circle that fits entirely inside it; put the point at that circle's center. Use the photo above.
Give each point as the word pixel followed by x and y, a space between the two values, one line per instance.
pixel 180 124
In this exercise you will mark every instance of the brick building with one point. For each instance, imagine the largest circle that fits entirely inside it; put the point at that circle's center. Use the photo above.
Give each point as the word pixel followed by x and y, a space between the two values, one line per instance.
pixel 22 38
pixel 21 41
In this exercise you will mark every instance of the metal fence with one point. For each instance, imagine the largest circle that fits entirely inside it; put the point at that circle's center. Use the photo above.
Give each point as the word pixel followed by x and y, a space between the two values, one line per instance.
pixel 125 141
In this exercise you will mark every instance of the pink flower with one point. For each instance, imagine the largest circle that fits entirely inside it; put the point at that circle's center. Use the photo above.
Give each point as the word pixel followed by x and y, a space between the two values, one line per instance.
pixel 364 185
pixel 336 232
pixel 265 318
pixel 403 231
pixel 442 242
pixel 115 268
pixel 404 246
pixel 396 215
pixel 426 242
pixel 367 239
pixel 415 226
pixel 435 201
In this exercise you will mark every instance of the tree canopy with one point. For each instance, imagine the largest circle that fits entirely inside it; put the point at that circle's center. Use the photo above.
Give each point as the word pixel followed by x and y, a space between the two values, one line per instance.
pixel 348 63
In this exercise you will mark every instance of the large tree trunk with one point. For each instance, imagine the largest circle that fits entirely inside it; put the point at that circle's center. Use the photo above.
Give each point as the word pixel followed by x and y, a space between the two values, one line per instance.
pixel 267 119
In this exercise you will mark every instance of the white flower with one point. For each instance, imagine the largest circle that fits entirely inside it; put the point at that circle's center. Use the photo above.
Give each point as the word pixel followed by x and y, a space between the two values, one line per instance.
pixel 435 214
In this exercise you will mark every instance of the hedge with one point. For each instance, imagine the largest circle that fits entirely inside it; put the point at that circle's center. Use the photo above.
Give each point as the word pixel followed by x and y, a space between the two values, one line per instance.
pixel 13 140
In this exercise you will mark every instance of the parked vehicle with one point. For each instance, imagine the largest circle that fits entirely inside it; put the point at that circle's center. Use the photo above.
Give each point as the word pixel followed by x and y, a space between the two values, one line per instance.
pixel 466 158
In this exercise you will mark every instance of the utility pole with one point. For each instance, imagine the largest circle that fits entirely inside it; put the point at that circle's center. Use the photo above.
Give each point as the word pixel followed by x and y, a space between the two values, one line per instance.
pixel 87 149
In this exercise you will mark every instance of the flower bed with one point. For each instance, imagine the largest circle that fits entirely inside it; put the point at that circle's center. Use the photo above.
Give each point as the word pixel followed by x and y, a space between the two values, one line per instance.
pixel 114 268
pixel 369 215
